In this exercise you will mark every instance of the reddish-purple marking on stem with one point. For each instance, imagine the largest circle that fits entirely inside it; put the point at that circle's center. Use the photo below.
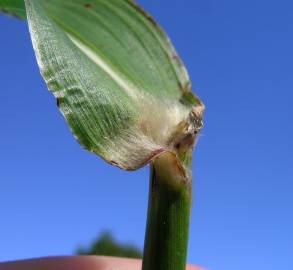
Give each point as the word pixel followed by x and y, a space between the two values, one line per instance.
pixel 87 6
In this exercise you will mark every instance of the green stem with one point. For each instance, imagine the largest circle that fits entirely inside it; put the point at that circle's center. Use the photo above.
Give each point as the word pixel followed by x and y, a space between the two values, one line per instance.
pixel 167 230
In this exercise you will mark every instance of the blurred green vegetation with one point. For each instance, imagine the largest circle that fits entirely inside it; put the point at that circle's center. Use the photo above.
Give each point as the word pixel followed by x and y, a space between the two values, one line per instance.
pixel 106 245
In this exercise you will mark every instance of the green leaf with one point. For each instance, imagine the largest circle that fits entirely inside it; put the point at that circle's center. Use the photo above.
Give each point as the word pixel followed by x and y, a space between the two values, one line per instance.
pixel 13 7
pixel 116 76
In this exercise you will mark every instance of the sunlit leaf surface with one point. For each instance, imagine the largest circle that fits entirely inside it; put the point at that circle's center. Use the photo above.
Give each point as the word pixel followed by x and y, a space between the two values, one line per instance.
pixel 117 79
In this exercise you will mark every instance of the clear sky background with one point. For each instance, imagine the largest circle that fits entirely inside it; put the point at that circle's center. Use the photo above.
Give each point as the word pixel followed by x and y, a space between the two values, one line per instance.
pixel 54 196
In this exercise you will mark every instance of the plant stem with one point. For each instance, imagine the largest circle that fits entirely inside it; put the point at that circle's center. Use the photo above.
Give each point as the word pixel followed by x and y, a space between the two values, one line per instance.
pixel 167 230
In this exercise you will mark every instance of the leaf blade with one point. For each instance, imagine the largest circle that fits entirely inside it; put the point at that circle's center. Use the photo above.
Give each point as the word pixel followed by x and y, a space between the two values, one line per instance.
pixel 13 7
pixel 121 103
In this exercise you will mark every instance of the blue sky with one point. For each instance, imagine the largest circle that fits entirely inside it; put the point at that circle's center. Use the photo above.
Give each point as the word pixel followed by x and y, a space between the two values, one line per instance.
pixel 54 196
